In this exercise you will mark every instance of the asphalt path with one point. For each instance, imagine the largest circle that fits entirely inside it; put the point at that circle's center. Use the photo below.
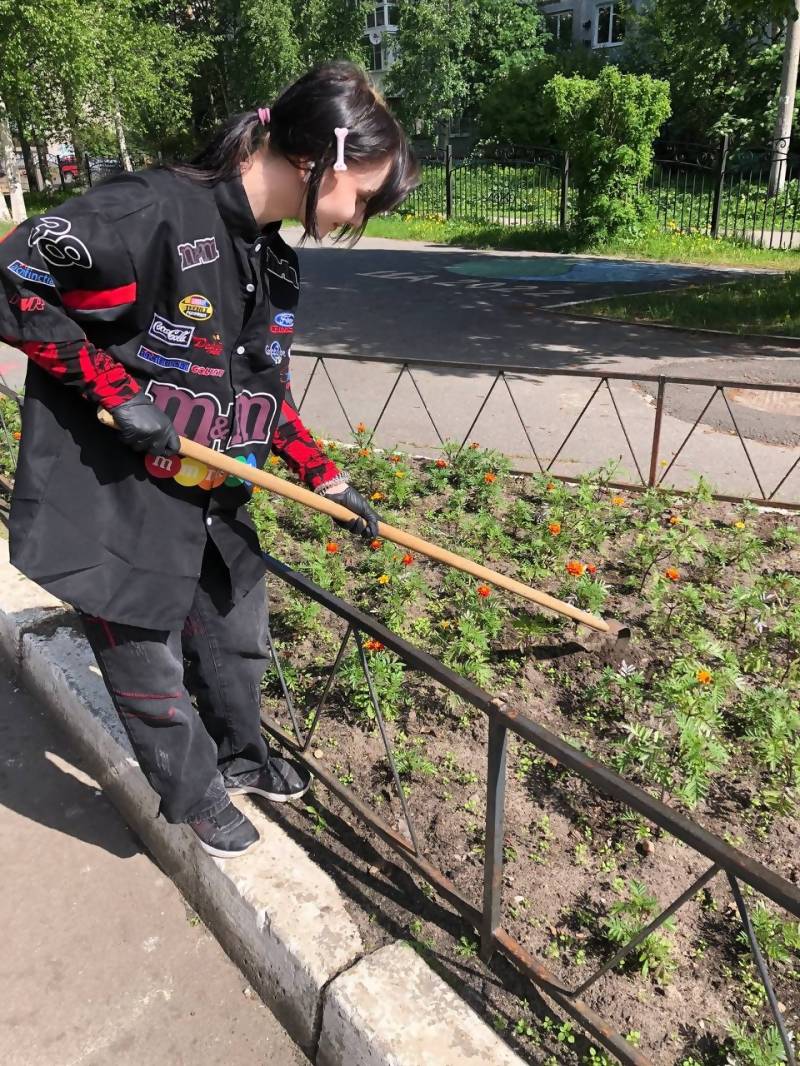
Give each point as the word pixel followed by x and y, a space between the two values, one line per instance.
pixel 387 302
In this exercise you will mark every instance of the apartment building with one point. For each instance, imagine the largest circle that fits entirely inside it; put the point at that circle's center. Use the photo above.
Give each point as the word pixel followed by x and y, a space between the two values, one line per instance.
pixel 591 23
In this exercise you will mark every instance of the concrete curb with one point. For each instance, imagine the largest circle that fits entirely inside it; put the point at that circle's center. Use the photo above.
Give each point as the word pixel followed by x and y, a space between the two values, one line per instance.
pixel 573 310
pixel 277 914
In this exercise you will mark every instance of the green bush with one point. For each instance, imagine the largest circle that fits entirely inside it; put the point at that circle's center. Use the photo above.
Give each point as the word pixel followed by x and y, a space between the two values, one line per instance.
pixel 608 126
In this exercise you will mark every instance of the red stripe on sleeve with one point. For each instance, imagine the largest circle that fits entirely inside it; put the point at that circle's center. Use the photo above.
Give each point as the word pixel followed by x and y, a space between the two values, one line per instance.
pixel 98 300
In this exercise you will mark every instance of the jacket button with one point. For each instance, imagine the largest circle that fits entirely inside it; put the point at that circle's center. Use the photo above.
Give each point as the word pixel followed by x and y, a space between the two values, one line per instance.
pixel 208 521
pixel 257 248
pixel 240 350
pixel 250 287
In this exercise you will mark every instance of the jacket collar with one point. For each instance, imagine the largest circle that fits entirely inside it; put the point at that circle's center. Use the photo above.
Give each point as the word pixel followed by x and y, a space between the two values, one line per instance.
pixel 234 207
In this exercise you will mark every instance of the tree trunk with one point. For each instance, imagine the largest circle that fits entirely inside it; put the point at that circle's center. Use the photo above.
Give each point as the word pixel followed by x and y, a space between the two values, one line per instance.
pixel 783 123
pixel 35 180
pixel 44 162
pixel 120 129
pixel 8 157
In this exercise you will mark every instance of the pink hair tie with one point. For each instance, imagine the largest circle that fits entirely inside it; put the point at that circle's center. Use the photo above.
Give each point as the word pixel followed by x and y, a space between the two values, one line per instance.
pixel 263 114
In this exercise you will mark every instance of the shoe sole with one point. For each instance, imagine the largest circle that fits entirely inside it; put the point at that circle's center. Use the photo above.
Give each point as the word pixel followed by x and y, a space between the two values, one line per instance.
pixel 276 797
pixel 218 853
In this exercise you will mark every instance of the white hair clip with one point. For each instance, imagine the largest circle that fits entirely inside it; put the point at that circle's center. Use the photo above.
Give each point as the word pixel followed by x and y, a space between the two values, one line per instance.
pixel 341 132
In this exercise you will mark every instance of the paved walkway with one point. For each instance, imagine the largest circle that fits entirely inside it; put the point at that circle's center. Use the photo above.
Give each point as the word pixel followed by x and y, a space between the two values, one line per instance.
pixel 102 962
pixel 396 300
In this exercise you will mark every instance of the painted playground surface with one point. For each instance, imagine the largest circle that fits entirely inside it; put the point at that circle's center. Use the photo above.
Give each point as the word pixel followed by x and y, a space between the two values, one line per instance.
pixel 576 270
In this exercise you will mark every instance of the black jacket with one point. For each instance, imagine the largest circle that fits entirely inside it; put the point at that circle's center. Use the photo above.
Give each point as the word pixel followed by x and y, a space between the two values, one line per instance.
pixel 150 281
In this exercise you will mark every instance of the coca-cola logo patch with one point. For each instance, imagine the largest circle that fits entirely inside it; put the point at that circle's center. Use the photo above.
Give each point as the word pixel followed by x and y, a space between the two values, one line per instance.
pixel 170 332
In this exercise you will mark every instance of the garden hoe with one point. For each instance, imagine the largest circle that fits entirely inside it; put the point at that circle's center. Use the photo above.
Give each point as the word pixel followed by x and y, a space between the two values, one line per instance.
pixel 614 636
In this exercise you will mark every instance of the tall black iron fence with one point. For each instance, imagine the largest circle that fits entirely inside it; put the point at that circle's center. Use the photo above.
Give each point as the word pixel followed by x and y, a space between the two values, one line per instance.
pixel 714 190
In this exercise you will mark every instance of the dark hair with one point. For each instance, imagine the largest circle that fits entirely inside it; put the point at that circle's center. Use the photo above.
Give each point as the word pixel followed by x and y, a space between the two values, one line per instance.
pixel 302 121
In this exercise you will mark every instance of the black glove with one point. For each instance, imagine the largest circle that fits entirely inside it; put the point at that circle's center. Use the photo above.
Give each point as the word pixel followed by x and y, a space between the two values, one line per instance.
pixel 367 525
pixel 145 427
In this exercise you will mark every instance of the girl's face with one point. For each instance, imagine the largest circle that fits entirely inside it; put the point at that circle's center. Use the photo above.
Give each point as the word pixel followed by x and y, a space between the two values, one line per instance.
pixel 343 194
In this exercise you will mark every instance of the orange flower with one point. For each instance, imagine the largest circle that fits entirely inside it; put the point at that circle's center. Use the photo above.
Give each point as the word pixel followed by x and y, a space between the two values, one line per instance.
pixel 490 477
pixel 373 645
pixel 484 591
pixel 554 528
pixel 255 489
pixel 375 544
pixel 672 574
pixel 474 445
pixel 591 568
pixel 332 547
pixel 618 501
pixel 361 428
pixel 376 496
pixel 674 519
pixel 273 460
pixel 407 559
pixel 441 464
pixel 395 458
pixel 320 442
pixel 384 579
pixel 550 486
pixel 704 677
pixel 16 435
pixel 575 568
pixel 363 452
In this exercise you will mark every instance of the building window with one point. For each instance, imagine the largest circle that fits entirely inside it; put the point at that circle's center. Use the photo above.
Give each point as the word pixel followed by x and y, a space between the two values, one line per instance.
pixel 377 56
pixel 610 25
pixel 382 15
pixel 559 26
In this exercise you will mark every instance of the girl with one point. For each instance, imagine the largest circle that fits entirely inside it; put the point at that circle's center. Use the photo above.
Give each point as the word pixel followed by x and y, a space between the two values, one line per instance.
pixel 168 297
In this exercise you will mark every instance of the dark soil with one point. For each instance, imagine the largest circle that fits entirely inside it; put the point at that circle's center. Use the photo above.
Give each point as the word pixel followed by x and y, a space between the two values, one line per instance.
pixel 570 851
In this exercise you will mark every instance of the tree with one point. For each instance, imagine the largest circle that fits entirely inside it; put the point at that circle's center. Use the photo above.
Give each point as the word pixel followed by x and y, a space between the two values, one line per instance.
pixel 721 58
pixel 429 74
pixel 608 126
pixel 515 110
pixel 452 51
pixel 784 119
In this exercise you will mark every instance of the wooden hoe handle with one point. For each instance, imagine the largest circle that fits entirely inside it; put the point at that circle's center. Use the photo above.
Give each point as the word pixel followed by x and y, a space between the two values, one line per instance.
pixel 219 461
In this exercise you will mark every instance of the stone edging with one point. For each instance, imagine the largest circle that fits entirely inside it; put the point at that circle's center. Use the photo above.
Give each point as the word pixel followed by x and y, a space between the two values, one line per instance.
pixel 276 913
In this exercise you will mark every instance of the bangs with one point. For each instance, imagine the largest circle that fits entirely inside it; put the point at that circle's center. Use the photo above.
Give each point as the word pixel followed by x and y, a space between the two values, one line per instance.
pixel 403 177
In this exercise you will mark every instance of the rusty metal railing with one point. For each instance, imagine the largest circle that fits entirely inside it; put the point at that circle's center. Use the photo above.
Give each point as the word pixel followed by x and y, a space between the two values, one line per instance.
pixel 652 472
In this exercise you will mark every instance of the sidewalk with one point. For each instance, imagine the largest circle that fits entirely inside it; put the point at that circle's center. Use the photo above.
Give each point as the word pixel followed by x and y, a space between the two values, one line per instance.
pixel 102 961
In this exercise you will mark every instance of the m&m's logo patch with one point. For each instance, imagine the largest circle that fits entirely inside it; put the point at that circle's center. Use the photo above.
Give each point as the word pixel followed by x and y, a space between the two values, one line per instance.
pixel 191 473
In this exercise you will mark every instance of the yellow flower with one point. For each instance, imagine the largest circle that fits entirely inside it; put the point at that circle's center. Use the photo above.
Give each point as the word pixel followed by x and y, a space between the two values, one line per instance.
pixel 273 460
pixel 399 473
pixel 384 579
pixel 739 525
pixel 376 496
pixel 618 501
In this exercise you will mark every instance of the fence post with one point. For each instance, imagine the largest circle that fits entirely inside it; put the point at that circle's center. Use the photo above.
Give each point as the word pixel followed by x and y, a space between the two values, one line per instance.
pixel 564 191
pixel 448 181
pixel 719 182
pixel 88 166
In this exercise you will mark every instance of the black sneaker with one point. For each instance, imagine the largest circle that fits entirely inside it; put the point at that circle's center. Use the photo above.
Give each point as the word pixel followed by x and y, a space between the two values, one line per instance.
pixel 226 834
pixel 280 780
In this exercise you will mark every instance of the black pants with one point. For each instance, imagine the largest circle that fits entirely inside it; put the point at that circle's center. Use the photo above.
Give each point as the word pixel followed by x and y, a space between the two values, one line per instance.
pixel 219 658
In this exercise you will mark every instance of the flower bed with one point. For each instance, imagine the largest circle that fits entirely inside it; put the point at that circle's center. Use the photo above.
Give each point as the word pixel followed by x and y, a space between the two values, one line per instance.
pixel 703 712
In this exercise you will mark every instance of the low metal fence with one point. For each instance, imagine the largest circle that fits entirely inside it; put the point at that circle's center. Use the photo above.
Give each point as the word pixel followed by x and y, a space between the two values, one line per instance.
pixel 655 464
pixel 486 916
